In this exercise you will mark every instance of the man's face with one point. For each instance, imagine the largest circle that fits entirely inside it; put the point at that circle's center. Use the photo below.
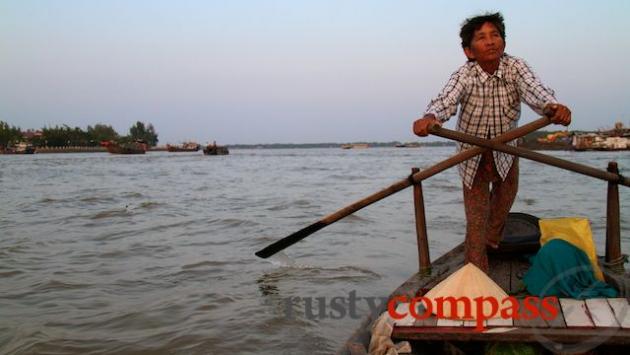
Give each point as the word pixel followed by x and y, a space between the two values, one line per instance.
pixel 487 45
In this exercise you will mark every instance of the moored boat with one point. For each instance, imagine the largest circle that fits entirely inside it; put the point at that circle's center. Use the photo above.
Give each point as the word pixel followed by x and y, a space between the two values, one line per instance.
pixel 617 138
pixel 355 146
pixel 592 141
pixel 408 145
pixel 184 147
pixel 137 147
pixel 214 149
pixel 20 148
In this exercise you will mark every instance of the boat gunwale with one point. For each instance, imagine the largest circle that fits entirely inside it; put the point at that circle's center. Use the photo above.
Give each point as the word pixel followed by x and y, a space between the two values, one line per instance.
pixel 439 271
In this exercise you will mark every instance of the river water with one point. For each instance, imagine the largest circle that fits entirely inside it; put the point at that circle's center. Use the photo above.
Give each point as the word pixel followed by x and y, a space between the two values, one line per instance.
pixel 155 253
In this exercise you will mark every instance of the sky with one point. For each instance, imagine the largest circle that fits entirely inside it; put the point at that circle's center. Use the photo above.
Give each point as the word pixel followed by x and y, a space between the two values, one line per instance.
pixel 290 71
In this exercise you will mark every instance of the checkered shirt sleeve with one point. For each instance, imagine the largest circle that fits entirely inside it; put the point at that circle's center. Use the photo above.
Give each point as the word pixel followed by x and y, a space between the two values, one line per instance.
pixel 444 106
pixel 532 91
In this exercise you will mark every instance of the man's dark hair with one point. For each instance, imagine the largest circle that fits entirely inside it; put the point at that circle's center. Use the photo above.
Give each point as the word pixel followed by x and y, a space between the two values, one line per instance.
pixel 472 24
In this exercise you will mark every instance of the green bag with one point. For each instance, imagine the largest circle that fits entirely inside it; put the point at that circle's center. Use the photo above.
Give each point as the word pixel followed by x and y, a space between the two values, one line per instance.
pixel 560 269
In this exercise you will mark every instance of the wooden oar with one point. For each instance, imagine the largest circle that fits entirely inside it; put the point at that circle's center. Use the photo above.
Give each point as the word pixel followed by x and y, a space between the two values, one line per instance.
pixel 400 185
pixel 528 154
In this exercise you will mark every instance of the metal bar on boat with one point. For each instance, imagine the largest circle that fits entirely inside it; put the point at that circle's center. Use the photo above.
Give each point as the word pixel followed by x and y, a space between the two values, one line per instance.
pixel 400 185
pixel 528 154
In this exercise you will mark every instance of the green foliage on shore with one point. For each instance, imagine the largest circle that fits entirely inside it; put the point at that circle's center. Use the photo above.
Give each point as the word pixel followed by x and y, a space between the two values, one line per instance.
pixel 64 135
pixel 146 133
pixel 101 132
pixel 9 134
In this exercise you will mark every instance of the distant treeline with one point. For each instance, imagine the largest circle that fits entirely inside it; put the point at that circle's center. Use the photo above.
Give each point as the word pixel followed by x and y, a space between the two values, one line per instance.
pixel 63 136
pixel 331 145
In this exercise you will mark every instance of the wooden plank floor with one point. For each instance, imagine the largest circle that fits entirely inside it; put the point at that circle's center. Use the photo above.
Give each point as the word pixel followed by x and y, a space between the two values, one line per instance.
pixel 508 273
pixel 608 319
pixel 621 310
pixel 577 319
pixel 591 313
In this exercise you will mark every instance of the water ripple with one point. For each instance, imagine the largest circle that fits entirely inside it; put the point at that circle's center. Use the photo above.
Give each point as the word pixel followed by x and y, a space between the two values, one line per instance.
pixel 107 254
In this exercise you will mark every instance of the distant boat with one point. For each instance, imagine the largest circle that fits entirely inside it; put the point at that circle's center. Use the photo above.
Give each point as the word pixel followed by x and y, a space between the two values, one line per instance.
pixel 138 147
pixel 355 146
pixel 617 138
pixel 408 145
pixel 593 141
pixel 184 147
pixel 20 148
pixel 214 149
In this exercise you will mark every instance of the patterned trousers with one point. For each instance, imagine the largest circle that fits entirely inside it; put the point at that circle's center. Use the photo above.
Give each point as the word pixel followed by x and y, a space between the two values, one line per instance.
pixel 487 208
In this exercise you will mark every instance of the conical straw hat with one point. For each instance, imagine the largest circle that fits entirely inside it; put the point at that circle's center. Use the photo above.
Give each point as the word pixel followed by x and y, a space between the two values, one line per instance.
pixel 470 282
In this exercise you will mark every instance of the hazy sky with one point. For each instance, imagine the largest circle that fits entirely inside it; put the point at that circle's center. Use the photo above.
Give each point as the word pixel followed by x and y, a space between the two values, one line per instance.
pixel 239 71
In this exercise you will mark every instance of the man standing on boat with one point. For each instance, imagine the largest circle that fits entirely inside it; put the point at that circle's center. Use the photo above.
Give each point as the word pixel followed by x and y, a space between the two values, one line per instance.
pixel 489 88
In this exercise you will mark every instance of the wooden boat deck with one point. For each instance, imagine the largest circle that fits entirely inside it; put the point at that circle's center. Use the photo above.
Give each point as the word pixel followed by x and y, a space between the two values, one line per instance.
pixel 597 321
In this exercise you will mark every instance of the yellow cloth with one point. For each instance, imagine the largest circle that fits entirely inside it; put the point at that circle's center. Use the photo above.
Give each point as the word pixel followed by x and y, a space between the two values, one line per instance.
pixel 573 230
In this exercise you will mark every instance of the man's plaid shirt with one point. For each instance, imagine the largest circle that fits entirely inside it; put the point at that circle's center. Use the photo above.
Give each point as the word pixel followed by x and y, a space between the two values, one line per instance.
pixel 490 105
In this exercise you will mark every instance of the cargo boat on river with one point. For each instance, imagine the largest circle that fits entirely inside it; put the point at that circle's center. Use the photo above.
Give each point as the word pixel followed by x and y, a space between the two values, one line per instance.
pixel 355 146
pixel 184 147
pixel 214 149
pixel 125 148
pixel 20 148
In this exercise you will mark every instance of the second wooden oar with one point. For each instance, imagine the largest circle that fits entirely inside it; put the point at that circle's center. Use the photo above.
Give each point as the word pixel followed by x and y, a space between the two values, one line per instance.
pixel 400 185
pixel 531 155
